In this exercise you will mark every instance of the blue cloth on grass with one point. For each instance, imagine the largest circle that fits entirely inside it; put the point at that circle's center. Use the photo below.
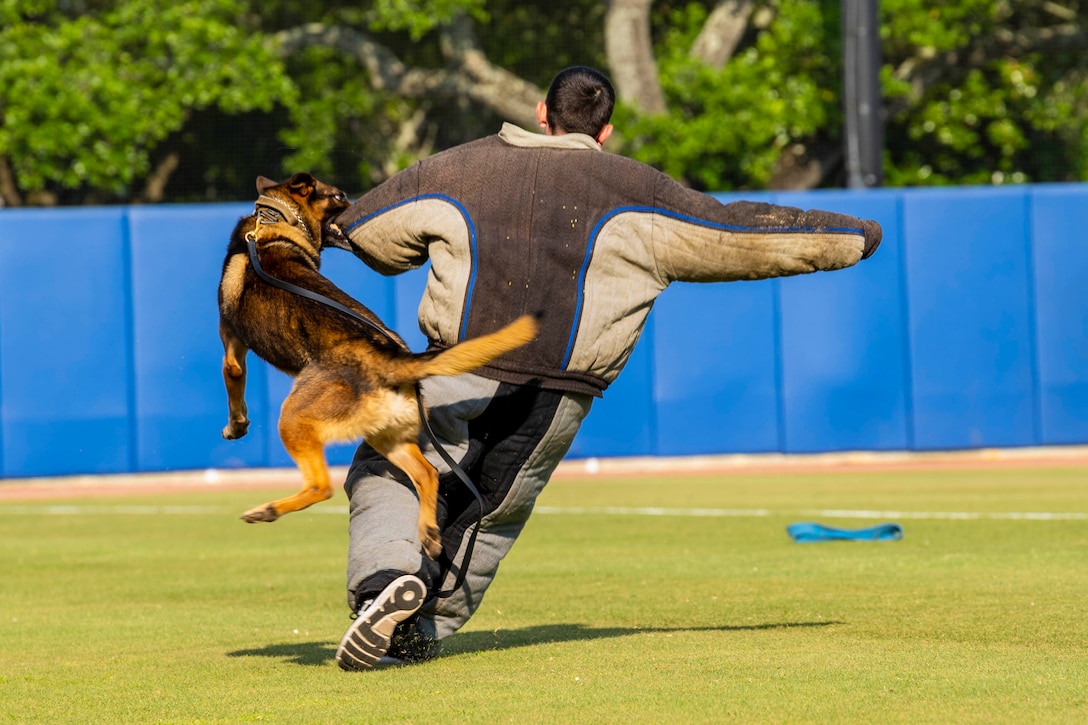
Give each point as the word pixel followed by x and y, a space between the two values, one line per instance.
pixel 808 533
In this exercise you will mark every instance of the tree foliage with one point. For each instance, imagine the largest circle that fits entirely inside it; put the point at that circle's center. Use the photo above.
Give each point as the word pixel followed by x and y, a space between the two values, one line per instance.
pixel 985 91
pixel 728 127
pixel 87 96
pixel 127 100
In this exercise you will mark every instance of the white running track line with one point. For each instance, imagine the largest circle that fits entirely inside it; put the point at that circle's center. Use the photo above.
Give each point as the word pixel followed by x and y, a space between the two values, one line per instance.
pixel 829 513
pixel 63 510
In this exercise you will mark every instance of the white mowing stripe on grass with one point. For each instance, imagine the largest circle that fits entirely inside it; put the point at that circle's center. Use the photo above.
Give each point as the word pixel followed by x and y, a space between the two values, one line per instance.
pixel 151 510
pixel 818 513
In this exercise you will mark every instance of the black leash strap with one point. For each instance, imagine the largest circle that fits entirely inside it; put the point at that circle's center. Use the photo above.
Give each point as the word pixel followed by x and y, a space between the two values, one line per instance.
pixel 462 571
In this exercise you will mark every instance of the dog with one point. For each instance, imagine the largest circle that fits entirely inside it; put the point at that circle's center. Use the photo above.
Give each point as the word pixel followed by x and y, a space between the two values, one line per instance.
pixel 352 379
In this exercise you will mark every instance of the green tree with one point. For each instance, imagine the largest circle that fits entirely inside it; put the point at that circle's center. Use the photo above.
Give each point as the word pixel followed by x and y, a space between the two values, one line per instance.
pixel 985 91
pixel 743 116
pixel 88 91
pixel 124 100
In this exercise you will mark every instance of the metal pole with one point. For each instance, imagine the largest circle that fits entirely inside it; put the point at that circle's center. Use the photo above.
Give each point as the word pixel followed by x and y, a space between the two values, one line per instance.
pixel 862 104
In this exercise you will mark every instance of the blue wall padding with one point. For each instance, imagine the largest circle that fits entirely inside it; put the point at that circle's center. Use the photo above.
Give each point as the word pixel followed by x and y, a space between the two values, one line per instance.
pixel 968 329
pixel 716 371
pixel 622 423
pixel 1059 216
pixel 844 368
pixel 177 257
pixel 405 296
pixel 65 342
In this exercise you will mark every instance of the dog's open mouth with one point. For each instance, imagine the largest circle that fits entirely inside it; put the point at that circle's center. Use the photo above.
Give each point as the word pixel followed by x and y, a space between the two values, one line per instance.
pixel 335 237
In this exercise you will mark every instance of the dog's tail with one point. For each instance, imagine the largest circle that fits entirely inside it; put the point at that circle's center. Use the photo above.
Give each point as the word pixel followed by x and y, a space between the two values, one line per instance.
pixel 468 355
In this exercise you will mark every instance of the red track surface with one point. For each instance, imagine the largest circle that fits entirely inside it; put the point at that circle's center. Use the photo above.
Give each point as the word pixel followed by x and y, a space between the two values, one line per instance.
pixel 29 489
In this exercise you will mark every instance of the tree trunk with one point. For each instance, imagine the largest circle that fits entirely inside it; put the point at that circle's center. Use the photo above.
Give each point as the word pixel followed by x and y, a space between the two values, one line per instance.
pixel 469 75
pixel 722 32
pixel 9 190
pixel 155 188
pixel 799 168
pixel 507 95
pixel 630 52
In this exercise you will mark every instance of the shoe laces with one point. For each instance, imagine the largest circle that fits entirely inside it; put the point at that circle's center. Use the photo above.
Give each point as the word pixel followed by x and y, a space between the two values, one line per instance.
pixel 355 615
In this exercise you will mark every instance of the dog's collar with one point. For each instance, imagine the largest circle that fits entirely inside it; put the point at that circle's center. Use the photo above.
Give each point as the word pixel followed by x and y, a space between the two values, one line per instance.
pixel 270 210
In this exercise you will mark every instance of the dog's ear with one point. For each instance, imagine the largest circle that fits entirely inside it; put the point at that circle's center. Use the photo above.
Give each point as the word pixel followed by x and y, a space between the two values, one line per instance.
pixel 264 184
pixel 302 185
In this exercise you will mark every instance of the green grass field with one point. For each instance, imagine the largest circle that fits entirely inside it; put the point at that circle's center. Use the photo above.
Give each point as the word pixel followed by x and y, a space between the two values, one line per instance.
pixel 690 604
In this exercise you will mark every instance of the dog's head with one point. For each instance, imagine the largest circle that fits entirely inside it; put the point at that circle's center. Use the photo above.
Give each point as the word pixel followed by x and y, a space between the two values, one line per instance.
pixel 305 202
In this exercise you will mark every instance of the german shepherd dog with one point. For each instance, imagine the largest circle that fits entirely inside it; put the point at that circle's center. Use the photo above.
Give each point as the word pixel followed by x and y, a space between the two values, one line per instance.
pixel 351 379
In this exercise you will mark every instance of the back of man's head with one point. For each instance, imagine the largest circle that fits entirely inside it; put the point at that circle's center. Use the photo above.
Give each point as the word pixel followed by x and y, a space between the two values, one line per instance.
pixel 580 100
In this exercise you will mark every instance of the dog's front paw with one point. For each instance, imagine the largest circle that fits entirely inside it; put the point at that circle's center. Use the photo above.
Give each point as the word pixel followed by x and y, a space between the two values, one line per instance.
pixel 264 512
pixel 432 542
pixel 236 429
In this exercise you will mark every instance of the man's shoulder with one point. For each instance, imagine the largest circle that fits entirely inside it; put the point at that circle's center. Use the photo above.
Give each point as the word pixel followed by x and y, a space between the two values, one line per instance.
pixel 492 158
pixel 469 147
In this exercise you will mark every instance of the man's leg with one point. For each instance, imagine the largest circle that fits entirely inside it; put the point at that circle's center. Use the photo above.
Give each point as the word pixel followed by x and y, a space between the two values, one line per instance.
pixel 514 447
pixel 382 527
pixel 385 557
pixel 388 577
pixel 508 439
pixel 384 507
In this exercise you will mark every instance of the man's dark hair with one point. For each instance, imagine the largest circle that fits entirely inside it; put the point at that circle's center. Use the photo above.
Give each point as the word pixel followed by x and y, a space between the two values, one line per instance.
pixel 580 100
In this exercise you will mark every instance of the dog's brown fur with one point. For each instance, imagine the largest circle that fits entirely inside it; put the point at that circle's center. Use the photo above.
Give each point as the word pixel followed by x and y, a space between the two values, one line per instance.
pixel 351 381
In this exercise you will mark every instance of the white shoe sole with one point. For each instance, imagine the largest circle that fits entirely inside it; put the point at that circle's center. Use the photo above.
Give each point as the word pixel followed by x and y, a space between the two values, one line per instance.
pixel 367 639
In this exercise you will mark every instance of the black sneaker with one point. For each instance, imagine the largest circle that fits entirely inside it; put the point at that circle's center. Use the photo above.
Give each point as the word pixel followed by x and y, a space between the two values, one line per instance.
pixel 367 639
pixel 410 646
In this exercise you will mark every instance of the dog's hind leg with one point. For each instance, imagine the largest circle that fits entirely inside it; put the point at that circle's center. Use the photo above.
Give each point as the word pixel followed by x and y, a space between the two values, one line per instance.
pixel 234 377
pixel 407 457
pixel 303 432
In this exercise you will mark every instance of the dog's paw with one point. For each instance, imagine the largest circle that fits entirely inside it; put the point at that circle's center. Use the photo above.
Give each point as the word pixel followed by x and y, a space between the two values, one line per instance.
pixel 236 429
pixel 432 542
pixel 264 512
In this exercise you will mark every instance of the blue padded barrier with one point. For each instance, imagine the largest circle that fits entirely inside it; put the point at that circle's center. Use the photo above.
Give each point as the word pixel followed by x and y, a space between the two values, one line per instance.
pixel 404 315
pixel 1059 216
pixel 716 365
pixel 716 368
pixel 279 385
pixel 844 356
pixel 970 331
pixel 622 422
pixel 181 403
pixel 65 354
